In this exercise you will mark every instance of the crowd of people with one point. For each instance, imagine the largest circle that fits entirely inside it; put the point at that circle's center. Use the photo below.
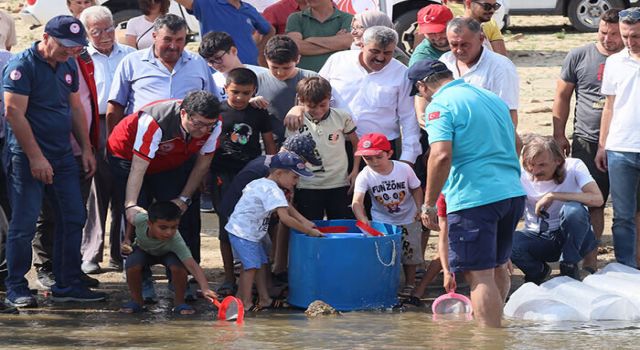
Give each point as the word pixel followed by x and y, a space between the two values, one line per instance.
pixel 306 113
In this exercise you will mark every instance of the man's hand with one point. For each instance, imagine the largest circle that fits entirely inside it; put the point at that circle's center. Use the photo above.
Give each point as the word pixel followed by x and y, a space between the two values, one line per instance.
pixel 430 221
pixel 293 119
pixel 544 203
pixel 564 144
pixel 601 159
pixel 449 282
pixel 88 163
pixel 130 214
pixel 41 170
pixel 182 205
pixel 259 102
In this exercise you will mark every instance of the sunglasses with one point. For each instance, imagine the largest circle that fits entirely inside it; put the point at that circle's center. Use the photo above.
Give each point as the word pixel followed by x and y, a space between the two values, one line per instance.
pixel 632 14
pixel 544 225
pixel 487 6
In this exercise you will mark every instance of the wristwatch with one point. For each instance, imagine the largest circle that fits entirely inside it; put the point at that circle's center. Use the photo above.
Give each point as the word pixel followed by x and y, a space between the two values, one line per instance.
pixel 429 210
pixel 186 200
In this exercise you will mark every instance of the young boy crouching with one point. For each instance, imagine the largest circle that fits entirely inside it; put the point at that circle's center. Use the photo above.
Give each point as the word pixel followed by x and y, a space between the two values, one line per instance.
pixel 158 242
pixel 250 219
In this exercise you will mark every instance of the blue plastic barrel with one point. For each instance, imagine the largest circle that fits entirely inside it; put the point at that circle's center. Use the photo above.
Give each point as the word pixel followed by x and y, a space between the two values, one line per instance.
pixel 348 271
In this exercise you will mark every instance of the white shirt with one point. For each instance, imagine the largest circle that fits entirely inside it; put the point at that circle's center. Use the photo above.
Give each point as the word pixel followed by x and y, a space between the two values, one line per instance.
pixel 105 69
pixel 137 27
pixel 577 176
pixel 622 80
pixel 377 101
pixel 250 218
pixel 493 72
pixel 221 80
pixel 391 199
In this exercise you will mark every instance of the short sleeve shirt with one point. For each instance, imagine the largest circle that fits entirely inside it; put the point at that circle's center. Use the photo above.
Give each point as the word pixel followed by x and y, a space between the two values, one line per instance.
pixel 221 80
pixel 240 138
pixel 278 13
pixel 255 169
pixel 329 135
pixel 304 23
pixel 425 51
pixel 391 199
pixel 491 31
pixel 584 67
pixel 221 16
pixel 48 89
pixel 484 169
pixel 158 247
pixel 250 218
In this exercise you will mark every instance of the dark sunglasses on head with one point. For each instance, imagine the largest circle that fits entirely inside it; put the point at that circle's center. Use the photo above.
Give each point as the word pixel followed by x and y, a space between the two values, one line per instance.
pixel 544 225
pixel 632 14
pixel 487 6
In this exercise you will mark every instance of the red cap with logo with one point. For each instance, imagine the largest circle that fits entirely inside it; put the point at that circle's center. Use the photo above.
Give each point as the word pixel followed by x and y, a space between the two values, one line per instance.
pixel 434 19
pixel 373 144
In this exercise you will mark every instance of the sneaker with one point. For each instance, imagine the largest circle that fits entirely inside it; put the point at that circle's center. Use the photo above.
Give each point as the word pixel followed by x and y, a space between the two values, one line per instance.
pixel 27 301
pixel 88 280
pixel 148 291
pixel 89 267
pixel 79 294
pixel 115 265
pixel 45 279
pixel 546 272
pixel 570 270
pixel 6 309
pixel 206 205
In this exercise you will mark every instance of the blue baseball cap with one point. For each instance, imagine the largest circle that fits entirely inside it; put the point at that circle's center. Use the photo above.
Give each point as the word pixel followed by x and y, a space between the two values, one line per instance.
pixel 289 161
pixel 423 69
pixel 68 30
pixel 304 146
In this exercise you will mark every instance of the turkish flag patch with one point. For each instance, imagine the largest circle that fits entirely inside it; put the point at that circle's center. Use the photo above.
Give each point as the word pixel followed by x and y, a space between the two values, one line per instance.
pixel 434 115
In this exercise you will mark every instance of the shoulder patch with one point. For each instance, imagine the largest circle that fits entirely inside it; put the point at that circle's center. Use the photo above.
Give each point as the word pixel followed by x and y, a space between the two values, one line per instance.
pixel 15 75
pixel 434 115
pixel 68 79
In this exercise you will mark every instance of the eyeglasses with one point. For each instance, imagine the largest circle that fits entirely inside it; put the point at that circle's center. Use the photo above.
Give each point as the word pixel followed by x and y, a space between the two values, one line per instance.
pixel 217 59
pixel 97 32
pixel 200 125
pixel 487 6
pixel 544 225
pixel 632 14
pixel 357 28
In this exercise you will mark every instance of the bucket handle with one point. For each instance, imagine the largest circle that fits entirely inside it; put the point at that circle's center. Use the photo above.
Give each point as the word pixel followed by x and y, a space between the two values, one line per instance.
pixel 393 254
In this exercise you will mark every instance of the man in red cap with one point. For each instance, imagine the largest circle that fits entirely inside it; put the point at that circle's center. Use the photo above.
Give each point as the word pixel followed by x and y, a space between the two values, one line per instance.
pixel 432 23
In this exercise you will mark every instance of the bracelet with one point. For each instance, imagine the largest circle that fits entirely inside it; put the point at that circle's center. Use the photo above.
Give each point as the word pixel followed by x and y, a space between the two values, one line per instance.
pixel 129 207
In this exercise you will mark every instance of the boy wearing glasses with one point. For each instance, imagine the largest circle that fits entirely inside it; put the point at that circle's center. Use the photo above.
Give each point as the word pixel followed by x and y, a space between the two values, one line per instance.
pixel 557 224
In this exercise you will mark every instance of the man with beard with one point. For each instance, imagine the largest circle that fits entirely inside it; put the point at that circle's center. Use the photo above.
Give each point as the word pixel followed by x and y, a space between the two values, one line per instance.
pixel 482 11
pixel 582 72
pixel 432 23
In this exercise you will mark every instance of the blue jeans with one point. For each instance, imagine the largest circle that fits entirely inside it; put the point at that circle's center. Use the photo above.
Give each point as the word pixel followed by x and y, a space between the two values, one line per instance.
pixel 570 243
pixel 26 194
pixel 624 175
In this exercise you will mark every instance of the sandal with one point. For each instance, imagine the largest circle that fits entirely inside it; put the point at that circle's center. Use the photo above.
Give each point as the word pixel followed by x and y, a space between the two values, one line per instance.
pixel 275 304
pixel 183 309
pixel 227 288
pixel 131 307
pixel 413 300
pixel 407 290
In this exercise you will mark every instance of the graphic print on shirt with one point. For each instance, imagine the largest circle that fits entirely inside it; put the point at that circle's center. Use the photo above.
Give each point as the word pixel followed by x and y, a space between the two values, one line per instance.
pixel 303 130
pixel 236 139
pixel 391 194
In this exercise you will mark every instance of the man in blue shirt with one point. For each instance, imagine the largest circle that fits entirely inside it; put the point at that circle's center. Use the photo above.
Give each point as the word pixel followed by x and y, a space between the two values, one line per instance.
pixel 162 71
pixel 43 108
pixel 472 142
pixel 241 20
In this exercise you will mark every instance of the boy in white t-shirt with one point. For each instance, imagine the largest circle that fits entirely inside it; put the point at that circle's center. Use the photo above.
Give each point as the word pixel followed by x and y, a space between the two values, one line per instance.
pixel 327 191
pixel 396 196
pixel 556 221
pixel 249 222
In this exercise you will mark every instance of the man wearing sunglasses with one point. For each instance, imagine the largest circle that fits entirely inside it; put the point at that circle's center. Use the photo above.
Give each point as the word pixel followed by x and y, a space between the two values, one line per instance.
pixel 482 11
pixel 619 143
pixel 557 225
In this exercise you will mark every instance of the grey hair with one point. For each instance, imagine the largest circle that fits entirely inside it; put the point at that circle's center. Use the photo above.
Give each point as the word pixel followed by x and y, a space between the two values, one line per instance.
pixel 173 22
pixel 380 35
pixel 97 14
pixel 458 24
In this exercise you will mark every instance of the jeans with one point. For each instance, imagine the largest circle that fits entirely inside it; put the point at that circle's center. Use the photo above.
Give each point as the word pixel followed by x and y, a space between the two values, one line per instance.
pixel 569 244
pixel 624 175
pixel 26 194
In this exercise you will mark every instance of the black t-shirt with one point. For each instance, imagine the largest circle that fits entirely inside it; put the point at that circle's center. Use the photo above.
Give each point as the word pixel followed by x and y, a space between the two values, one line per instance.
pixel 240 139
pixel 254 170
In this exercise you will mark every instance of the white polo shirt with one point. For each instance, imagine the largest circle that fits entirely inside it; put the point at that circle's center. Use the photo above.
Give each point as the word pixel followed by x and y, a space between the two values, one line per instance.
pixel 622 80
pixel 493 72
pixel 377 101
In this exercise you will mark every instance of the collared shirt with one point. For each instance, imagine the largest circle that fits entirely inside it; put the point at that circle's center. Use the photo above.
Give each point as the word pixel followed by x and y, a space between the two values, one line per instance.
pixel 278 13
pixel 105 70
pixel 484 163
pixel 304 23
pixel 7 30
pixel 141 79
pixel 493 72
pixel 221 16
pixel 48 111
pixel 377 101
pixel 622 80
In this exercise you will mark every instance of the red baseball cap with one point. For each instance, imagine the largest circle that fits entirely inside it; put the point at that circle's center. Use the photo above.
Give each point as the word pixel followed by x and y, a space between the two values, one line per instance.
pixel 434 18
pixel 373 144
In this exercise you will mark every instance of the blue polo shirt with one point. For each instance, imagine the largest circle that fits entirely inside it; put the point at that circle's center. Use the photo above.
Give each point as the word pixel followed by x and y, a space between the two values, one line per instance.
pixel 141 79
pixel 221 16
pixel 48 111
pixel 484 165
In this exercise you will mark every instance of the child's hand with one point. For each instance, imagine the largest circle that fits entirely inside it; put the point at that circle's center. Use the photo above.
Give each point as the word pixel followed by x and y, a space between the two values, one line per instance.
pixel 315 233
pixel 209 294
pixel 259 102
pixel 449 282
pixel 293 119
pixel 125 247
